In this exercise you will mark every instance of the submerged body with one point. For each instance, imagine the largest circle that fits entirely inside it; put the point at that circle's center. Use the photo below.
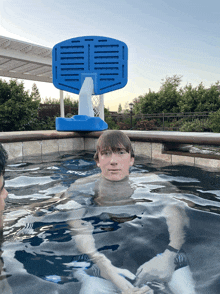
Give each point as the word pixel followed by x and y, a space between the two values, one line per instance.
pixel 125 206
pixel 114 156
pixel 120 234
pixel 40 253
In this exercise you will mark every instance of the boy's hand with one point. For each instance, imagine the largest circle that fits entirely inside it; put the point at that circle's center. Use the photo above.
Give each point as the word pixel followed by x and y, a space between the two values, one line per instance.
pixel 117 276
pixel 161 267
pixel 136 290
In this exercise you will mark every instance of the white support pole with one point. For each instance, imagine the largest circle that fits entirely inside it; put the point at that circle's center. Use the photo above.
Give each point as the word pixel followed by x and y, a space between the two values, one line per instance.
pixel 85 101
pixel 101 107
pixel 62 114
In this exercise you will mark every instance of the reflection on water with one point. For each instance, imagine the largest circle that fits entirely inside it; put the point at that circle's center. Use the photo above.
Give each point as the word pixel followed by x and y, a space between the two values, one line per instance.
pixel 39 254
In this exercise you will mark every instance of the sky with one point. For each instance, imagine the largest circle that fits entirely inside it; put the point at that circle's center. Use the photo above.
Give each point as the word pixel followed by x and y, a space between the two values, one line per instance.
pixel 164 37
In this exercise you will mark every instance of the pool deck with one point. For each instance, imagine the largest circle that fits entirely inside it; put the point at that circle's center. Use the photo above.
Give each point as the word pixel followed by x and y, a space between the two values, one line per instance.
pixel 170 147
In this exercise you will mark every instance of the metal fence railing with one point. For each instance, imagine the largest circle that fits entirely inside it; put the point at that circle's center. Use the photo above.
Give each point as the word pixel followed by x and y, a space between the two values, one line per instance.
pixel 157 121
pixel 52 110
pixel 127 121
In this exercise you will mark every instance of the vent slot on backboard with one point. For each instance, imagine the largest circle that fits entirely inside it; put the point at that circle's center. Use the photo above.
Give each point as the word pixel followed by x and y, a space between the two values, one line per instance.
pixel 77 89
pixel 71 80
pixel 72 58
pixel 88 57
pixel 108 74
pixel 76 63
pixel 106 46
pixel 69 75
pixel 106 62
pixel 107 87
pixel 75 68
pixel 104 52
pixel 107 79
pixel 106 68
pixel 68 47
pixel 107 57
pixel 72 52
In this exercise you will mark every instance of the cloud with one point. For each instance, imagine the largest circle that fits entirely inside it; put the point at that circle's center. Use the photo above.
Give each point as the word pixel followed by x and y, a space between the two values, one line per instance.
pixel 6 33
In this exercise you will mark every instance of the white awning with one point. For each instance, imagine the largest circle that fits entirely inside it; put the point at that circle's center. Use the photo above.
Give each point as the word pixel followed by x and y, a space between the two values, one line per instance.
pixel 25 61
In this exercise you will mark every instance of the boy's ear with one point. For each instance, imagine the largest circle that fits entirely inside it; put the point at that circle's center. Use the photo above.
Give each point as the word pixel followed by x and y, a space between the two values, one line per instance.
pixel 131 161
pixel 97 163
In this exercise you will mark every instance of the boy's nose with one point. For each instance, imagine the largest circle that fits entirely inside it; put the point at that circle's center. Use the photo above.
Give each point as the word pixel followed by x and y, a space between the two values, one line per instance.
pixel 113 159
pixel 4 193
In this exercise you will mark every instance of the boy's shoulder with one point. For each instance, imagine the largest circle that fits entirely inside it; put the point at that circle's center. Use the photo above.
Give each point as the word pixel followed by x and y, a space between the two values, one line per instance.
pixel 83 182
pixel 86 180
pixel 140 175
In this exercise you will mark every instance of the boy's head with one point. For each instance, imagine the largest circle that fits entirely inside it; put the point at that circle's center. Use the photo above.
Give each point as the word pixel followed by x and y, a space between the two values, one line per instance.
pixel 3 192
pixel 114 155
pixel 3 159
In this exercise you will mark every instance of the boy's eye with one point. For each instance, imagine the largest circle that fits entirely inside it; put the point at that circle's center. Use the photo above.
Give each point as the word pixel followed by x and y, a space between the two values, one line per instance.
pixel 109 152
pixel 106 153
pixel 120 152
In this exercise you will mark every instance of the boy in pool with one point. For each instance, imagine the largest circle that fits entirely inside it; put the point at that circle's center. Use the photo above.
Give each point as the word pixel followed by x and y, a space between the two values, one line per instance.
pixel 114 155
pixel 3 192
pixel 4 286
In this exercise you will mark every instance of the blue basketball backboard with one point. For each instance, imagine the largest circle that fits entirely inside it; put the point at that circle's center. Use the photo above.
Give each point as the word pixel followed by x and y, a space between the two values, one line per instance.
pixel 101 58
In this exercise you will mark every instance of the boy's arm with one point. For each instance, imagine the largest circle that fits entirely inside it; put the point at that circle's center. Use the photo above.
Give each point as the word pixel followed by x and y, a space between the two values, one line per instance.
pixel 162 266
pixel 85 243
pixel 177 221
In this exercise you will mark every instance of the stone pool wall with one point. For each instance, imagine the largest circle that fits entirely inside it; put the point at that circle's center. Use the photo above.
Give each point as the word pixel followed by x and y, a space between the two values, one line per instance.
pixel 170 147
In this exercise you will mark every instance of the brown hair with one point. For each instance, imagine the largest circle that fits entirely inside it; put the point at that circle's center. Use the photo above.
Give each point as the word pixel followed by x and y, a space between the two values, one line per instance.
pixel 3 159
pixel 113 140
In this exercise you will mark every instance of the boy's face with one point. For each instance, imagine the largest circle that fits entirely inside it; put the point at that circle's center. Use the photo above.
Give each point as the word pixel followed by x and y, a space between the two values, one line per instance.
pixel 3 193
pixel 115 166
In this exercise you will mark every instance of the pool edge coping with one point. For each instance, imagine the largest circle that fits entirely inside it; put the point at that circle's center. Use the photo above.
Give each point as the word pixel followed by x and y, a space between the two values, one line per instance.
pixel 151 144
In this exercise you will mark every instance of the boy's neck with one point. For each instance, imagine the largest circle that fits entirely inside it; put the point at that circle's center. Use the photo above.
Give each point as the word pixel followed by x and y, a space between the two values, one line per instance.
pixel 113 181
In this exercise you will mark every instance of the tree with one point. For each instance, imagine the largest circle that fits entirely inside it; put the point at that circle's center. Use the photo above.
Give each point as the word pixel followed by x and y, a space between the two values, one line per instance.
pixel 126 105
pixel 215 121
pixel 165 100
pixel 189 99
pixel 108 119
pixel 18 111
pixel 169 95
pixel 35 94
pixel 147 104
pixel 119 108
pixel 67 101
pixel 199 99
pixel 171 98
pixel 208 99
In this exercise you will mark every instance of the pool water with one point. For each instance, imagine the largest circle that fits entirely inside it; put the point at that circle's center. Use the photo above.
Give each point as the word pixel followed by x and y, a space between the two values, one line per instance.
pixel 39 253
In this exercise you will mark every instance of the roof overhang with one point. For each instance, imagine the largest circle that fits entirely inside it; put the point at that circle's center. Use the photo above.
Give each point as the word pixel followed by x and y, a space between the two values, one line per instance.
pixel 24 60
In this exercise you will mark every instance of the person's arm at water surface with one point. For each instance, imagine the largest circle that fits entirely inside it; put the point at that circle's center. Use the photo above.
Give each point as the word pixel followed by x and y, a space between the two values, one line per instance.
pixel 162 266
pixel 85 243
pixel 177 222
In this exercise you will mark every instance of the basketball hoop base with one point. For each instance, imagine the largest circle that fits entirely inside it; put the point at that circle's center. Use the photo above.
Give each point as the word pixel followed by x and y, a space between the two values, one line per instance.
pixel 79 123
